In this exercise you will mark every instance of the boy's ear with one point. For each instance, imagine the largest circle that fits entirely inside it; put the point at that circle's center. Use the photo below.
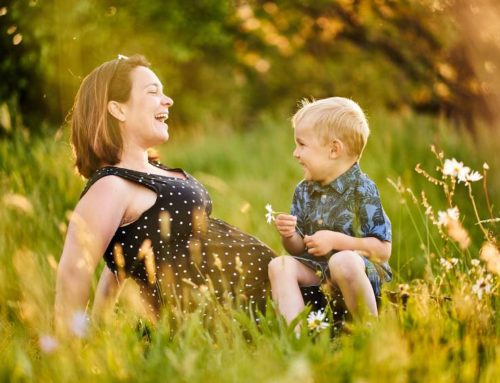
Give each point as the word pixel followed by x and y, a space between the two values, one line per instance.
pixel 116 110
pixel 336 148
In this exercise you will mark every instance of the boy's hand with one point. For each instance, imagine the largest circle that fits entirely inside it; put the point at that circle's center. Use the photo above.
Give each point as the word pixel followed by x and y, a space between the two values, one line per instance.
pixel 321 242
pixel 285 224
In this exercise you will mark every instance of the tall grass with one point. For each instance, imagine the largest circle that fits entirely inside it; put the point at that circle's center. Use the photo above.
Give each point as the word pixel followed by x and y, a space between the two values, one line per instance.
pixel 434 324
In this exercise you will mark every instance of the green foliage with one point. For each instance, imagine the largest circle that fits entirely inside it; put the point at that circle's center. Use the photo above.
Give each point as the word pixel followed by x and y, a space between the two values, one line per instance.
pixel 438 313
pixel 247 57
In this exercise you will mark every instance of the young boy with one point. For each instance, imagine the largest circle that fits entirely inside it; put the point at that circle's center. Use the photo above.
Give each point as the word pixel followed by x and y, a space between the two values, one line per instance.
pixel 337 230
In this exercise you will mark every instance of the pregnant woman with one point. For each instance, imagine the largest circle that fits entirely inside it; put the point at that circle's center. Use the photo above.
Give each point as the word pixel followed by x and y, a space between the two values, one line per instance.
pixel 149 222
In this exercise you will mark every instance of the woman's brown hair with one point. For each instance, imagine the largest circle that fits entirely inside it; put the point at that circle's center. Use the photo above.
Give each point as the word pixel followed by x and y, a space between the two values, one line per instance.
pixel 95 133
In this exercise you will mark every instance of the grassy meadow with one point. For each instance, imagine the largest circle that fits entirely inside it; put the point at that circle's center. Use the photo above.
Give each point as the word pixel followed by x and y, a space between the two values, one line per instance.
pixel 438 320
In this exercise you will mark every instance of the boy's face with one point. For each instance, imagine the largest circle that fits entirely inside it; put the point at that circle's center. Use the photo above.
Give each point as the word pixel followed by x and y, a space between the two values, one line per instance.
pixel 312 154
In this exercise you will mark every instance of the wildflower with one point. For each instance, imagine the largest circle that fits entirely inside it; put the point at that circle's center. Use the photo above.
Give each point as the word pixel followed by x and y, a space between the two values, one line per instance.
pixel 48 344
pixel 483 286
pixel 463 174
pixel 448 264
pixel 269 214
pixel 474 176
pixel 316 321
pixel 79 324
pixel 475 262
pixel 452 167
pixel 491 255
pixel 455 230
pixel 444 217
pixel 456 169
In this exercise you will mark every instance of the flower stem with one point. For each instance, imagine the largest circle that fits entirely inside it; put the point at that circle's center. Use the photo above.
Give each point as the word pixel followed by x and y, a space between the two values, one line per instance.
pixel 485 190
pixel 299 231
pixel 471 196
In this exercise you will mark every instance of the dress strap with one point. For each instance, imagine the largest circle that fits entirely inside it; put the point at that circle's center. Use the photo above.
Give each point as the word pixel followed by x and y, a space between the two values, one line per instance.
pixel 146 179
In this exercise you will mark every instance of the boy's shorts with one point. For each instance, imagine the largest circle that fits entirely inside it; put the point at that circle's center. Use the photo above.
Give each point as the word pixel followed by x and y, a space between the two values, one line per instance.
pixel 377 274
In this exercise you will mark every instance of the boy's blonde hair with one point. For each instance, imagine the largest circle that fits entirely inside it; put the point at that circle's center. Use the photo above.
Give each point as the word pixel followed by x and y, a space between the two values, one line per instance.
pixel 335 118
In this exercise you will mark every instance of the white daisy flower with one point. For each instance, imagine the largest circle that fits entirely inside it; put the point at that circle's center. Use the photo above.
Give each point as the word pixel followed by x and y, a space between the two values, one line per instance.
pixel 474 176
pixel 475 262
pixel 452 167
pixel 48 344
pixel 80 324
pixel 463 174
pixel 483 286
pixel 316 321
pixel 453 213
pixel 269 214
pixel 444 217
pixel 448 264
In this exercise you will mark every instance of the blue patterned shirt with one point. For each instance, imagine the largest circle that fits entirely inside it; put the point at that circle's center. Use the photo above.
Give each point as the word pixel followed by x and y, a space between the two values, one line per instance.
pixel 350 204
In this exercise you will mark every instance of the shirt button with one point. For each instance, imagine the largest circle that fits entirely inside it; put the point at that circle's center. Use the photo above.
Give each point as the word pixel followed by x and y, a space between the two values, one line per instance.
pixel 320 221
pixel 323 198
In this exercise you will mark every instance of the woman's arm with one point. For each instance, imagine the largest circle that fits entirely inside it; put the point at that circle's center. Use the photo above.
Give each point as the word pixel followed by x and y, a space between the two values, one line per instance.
pixel 92 225
pixel 106 293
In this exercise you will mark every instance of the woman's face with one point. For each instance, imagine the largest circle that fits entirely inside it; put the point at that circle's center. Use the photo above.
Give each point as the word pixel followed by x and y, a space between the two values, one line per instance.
pixel 146 111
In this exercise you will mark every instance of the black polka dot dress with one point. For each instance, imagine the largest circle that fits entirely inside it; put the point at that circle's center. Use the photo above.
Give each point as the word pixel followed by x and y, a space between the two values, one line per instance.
pixel 175 251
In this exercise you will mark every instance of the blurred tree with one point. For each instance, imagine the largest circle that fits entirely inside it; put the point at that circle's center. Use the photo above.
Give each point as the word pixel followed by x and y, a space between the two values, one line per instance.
pixel 227 61
pixel 396 53
pixel 21 96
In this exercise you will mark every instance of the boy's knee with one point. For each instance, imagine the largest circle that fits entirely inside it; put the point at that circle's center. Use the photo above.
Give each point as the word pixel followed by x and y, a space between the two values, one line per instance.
pixel 346 266
pixel 280 265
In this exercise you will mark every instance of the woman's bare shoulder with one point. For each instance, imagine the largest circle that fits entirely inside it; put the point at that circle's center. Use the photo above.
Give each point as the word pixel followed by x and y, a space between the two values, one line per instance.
pixel 110 192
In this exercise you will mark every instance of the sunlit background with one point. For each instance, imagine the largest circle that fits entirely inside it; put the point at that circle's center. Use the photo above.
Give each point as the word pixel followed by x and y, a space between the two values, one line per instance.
pixel 227 62
pixel 426 72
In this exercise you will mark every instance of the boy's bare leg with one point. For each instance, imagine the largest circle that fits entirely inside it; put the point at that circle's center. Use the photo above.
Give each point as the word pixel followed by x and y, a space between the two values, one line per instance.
pixel 286 275
pixel 347 271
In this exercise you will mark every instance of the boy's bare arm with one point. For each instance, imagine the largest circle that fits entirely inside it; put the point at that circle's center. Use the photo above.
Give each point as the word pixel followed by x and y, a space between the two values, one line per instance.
pixel 292 241
pixel 294 245
pixel 324 241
